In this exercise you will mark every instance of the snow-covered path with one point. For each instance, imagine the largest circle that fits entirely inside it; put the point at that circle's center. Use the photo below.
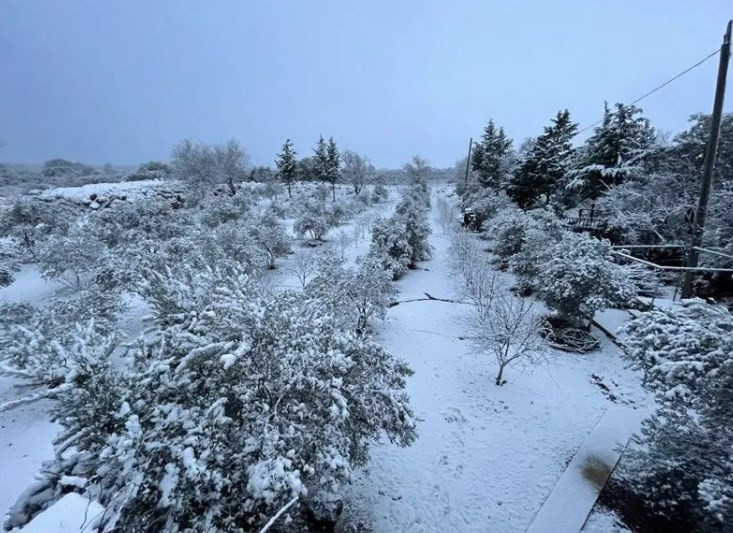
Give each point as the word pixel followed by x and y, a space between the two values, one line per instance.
pixel 487 456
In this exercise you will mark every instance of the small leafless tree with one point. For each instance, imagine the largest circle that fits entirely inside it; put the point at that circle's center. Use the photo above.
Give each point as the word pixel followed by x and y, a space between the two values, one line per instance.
pixel 476 279
pixel 418 169
pixel 303 265
pixel 342 241
pixel 509 329
pixel 231 163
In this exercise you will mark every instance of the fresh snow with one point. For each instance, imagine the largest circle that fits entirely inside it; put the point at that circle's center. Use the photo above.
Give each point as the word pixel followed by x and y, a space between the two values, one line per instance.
pixel 71 514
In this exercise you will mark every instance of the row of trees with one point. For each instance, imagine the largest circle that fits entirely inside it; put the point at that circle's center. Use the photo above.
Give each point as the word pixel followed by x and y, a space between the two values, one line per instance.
pixel 327 165
pixel 645 184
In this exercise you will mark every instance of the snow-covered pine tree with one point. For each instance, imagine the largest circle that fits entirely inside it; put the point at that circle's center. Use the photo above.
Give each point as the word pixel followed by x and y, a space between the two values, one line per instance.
pixel 333 160
pixel 614 153
pixel 545 163
pixel 684 469
pixel 489 157
pixel 287 166
pixel 320 159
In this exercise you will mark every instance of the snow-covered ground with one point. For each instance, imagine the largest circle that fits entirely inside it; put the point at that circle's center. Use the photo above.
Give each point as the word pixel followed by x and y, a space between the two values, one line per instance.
pixel 487 457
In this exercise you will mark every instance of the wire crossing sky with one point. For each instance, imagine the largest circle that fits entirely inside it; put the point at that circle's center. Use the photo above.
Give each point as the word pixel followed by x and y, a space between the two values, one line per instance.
pixel 121 82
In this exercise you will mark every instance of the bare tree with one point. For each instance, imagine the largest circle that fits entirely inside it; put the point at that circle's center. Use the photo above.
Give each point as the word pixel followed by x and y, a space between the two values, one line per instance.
pixel 303 266
pixel 356 169
pixel 231 163
pixel 342 241
pixel 418 169
pixel 508 328
pixel 469 263
pixel 201 164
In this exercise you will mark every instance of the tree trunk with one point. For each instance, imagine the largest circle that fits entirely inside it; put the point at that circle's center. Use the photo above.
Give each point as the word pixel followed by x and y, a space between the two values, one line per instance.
pixel 333 187
pixel 232 189
pixel 290 195
pixel 499 381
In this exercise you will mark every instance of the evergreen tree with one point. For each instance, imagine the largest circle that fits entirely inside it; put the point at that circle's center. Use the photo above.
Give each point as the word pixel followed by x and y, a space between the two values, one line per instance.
pixel 545 164
pixel 333 165
pixel 615 151
pixel 287 165
pixel 489 156
pixel 320 160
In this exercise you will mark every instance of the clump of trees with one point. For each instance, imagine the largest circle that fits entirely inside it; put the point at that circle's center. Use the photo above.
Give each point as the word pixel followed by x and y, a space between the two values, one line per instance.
pixel 201 165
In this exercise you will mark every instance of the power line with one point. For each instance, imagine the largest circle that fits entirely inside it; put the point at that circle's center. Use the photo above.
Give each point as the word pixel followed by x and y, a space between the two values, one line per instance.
pixel 659 87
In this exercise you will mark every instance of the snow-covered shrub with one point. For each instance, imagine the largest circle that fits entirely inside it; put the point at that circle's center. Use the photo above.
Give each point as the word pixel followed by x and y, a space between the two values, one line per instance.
pixel 71 258
pixel 314 219
pixel 411 209
pixel 380 193
pixel 390 245
pixel 8 263
pixel 579 278
pixel 486 203
pixel 355 295
pixel 686 464
pixel 35 342
pixel 537 247
pixel 268 235
pixel 219 209
pixel 509 227
pixel 244 402
pixel 31 220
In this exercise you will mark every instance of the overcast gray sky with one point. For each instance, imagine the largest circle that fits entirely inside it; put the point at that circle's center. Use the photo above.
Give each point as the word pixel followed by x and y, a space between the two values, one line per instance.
pixel 100 81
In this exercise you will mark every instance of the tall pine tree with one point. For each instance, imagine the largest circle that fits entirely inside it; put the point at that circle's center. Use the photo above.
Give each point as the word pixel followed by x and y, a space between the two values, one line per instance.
pixel 287 166
pixel 333 165
pixel 615 152
pixel 545 163
pixel 320 160
pixel 489 156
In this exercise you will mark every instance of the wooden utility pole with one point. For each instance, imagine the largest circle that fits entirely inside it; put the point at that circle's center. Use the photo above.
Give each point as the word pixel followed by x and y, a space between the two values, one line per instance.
pixel 698 223
pixel 468 159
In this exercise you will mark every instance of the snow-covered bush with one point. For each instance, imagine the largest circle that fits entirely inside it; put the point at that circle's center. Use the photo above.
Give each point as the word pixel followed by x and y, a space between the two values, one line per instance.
pixel 269 237
pixel 380 193
pixel 35 343
pixel 411 208
pixel 355 295
pixel 686 464
pixel 219 209
pixel 71 258
pixel 30 221
pixel 314 219
pixel 509 227
pixel 579 278
pixel 390 245
pixel 486 203
pixel 245 401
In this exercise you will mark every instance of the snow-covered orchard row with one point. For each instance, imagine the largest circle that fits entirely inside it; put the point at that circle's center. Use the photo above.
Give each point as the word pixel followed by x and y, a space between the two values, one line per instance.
pixel 286 384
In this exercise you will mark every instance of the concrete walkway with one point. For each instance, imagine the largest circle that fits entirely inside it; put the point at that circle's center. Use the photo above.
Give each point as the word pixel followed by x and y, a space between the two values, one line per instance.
pixel 567 507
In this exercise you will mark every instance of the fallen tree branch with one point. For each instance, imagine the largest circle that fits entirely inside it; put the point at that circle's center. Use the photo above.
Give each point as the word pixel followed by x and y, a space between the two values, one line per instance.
pixel 272 520
pixel 428 298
